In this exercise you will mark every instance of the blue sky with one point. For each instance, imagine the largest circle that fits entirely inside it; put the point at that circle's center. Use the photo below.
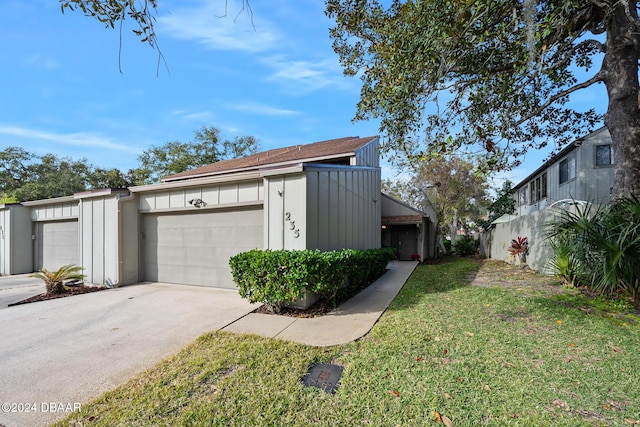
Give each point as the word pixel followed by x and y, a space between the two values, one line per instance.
pixel 62 92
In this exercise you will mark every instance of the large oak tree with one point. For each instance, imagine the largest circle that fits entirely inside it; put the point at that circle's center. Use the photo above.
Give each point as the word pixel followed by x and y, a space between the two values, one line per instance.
pixel 496 74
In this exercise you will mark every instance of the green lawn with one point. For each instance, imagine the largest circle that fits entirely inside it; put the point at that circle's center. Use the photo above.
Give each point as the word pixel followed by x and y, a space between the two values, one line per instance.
pixel 513 351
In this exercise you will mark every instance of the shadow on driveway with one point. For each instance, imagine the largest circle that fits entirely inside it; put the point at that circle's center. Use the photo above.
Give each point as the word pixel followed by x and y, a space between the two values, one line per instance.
pixel 68 351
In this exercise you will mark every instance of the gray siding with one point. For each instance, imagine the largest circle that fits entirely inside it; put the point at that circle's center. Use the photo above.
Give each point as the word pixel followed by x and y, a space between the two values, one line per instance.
pixel 15 240
pixel 343 208
pixel 368 155
pixel 592 183
pixel 214 195
pixel 285 212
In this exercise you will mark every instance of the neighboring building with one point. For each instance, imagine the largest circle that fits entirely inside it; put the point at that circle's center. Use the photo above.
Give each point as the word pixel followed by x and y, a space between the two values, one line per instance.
pixel 409 230
pixel 583 171
pixel 322 196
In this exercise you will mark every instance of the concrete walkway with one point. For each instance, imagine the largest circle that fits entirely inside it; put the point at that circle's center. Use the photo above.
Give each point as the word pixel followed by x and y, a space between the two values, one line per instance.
pixel 350 321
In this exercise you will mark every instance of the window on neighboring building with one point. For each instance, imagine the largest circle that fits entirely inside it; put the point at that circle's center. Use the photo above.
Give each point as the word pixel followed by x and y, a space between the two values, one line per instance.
pixel 604 155
pixel 523 196
pixel 568 169
pixel 538 188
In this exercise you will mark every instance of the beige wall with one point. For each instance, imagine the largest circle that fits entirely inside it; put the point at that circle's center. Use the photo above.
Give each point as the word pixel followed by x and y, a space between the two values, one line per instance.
pixel 530 226
pixel 214 195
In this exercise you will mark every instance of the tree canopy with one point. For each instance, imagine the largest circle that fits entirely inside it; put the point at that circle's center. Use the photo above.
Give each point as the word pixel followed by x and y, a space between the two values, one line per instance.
pixel 493 74
pixel 207 147
pixel 458 194
pixel 25 176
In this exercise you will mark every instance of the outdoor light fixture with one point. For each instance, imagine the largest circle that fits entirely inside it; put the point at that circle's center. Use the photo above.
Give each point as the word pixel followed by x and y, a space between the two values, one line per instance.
pixel 197 203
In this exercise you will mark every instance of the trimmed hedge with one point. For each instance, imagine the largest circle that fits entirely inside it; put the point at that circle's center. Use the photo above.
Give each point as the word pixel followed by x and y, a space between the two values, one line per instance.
pixel 279 277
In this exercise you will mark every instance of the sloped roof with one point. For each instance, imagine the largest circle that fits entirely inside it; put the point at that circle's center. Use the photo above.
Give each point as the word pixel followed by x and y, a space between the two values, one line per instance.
pixel 323 150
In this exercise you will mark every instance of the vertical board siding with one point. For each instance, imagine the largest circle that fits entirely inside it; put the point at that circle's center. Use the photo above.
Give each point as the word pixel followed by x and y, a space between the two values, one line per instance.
pixel 368 155
pixel 346 208
pixel 67 210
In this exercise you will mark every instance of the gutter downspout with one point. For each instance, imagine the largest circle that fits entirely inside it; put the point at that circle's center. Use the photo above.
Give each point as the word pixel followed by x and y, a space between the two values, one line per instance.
pixel 119 262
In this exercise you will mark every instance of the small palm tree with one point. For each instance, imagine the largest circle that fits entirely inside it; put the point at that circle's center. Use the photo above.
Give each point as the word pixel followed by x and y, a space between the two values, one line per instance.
pixel 55 280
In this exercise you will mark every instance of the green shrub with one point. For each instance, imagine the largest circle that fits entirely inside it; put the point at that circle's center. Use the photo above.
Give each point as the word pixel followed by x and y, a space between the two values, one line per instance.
pixel 279 277
pixel 466 246
pixel 605 244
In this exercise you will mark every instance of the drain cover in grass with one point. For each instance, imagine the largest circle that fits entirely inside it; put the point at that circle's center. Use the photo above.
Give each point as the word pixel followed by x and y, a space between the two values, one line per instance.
pixel 323 376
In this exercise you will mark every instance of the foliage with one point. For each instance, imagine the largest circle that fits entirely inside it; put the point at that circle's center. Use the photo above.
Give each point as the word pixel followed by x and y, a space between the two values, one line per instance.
pixel 481 355
pixel 6 199
pixel 564 261
pixel 279 277
pixel 467 246
pixel 504 204
pixel 207 147
pixel 519 246
pixel 493 76
pixel 605 244
pixel 458 194
pixel 55 280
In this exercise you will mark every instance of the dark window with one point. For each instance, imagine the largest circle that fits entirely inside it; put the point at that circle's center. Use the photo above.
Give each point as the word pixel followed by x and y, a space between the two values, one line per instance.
pixel 568 169
pixel 538 188
pixel 604 155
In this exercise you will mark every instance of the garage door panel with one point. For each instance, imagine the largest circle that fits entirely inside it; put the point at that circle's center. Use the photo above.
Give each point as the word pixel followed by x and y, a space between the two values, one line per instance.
pixel 57 244
pixel 194 248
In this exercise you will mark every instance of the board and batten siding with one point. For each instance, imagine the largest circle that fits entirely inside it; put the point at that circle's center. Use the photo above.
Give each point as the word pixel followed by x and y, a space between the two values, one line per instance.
pixel 54 212
pixel 285 212
pixel 214 195
pixel 367 155
pixel 343 207
pixel 15 240
pixel 101 227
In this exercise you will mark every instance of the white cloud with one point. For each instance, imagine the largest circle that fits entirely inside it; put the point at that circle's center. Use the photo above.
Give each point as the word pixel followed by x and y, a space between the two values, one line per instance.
pixel 80 139
pixel 263 110
pixel 306 76
pixel 194 116
pixel 208 25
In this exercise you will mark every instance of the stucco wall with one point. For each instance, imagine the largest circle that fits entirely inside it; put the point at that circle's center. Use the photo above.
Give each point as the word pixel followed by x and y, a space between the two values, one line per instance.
pixel 530 226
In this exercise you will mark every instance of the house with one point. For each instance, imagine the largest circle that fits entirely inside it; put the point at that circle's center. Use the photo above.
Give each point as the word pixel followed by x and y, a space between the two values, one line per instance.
pixel 582 172
pixel 409 230
pixel 324 195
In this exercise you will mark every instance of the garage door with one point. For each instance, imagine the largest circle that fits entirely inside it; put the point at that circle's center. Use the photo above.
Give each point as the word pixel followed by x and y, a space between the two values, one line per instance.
pixel 56 244
pixel 194 248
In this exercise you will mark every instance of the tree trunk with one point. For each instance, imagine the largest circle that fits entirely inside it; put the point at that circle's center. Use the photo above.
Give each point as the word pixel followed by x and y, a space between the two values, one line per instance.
pixel 620 69
pixel 454 229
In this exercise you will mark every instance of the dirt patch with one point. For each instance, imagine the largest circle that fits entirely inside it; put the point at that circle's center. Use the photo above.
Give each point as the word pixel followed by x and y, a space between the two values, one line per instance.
pixel 71 291
pixel 501 274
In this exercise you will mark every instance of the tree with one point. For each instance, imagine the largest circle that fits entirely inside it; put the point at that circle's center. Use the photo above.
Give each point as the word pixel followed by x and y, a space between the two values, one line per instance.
pixel 458 194
pixel 207 147
pixel 493 74
pixel 504 204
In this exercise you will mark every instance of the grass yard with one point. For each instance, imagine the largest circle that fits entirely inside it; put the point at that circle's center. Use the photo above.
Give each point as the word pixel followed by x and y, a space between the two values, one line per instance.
pixel 465 343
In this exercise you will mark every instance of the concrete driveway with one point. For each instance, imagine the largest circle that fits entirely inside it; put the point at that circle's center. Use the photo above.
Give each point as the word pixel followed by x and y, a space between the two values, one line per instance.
pixel 18 287
pixel 58 354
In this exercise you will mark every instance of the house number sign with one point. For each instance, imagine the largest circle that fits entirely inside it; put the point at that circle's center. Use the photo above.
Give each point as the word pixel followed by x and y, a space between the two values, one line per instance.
pixel 292 225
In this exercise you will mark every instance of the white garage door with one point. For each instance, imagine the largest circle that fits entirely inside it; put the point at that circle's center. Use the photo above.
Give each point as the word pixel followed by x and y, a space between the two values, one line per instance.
pixel 194 248
pixel 56 244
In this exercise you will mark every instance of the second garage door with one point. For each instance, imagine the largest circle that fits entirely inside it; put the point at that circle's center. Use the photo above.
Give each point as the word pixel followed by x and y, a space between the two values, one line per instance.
pixel 194 248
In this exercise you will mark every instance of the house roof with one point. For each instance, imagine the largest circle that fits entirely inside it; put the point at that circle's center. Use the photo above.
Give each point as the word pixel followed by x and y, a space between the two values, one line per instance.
pixel 569 147
pixel 317 151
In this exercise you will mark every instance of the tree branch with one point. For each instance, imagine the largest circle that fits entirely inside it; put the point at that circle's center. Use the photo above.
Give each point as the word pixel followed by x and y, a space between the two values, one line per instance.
pixel 598 77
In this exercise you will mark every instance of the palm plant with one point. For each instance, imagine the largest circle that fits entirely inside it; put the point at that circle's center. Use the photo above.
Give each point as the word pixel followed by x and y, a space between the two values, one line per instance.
pixel 55 280
pixel 605 245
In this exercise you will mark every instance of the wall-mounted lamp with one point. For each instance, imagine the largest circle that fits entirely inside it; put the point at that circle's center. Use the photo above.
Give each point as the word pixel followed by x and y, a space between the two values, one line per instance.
pixel 197 203
pixel 384 227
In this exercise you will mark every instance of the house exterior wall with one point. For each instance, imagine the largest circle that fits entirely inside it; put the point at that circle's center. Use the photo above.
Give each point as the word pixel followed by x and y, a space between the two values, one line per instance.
pixel 367 155
pixel 214 195
pixel 15 240
pixel 591 183
pixel 52 209
pixel 102 226
pixel 343 207
pixel 285 212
